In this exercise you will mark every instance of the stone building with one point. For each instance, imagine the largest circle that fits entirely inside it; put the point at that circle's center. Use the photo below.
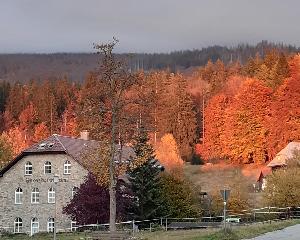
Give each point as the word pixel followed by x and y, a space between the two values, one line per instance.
pixel 30 200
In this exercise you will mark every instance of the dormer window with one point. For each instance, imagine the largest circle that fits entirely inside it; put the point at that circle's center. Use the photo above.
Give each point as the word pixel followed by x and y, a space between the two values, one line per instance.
pixel 67 167
pixel 28 168
pixel 47 167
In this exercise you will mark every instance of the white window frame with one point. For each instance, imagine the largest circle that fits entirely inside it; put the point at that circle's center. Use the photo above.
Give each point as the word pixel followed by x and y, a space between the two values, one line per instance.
pixel 74 226
pixel 49 166
pixel 28 169
pixel 67 167
pixel 74 191
pixel 51 195
pixel 34 229
pixel 50 224
pixel 18 225
pixel 35 196
pixel 18 195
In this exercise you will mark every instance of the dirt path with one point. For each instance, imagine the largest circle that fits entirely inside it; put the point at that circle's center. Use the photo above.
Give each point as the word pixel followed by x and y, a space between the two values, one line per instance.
pixel 289 233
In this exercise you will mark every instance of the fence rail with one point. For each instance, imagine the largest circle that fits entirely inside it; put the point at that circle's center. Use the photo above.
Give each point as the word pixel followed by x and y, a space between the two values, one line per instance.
pixel 246 216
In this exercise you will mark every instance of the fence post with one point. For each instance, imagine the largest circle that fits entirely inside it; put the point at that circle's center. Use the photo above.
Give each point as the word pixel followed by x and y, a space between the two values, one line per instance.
pixel 166 224
pixel 133 226
pixel 161 221
pixel 150 226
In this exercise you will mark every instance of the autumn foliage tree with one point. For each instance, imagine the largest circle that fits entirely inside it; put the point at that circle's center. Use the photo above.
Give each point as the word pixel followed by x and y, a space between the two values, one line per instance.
pixel 212 145
pixel 284 122
pixel 16 138
pixel 90 204
pixel 6 151
pixel 245 130
pixel 167 153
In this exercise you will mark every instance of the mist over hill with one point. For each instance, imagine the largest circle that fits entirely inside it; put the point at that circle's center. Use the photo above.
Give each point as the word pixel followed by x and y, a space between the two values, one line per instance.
pixel 75 66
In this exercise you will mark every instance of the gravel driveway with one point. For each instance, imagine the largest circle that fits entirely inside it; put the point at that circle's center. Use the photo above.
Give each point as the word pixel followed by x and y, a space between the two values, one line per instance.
pixel 289 233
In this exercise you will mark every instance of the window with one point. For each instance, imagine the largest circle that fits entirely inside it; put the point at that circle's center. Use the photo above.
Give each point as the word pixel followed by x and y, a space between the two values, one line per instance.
pixel 34 226
pixel 67 167
pixel 73 226
pixel 50 225
pixel 74 191
pixel 28 168
pixel 35 195
pixel 51 195
pixel 18 196
pixel 18 225
pixel 47 167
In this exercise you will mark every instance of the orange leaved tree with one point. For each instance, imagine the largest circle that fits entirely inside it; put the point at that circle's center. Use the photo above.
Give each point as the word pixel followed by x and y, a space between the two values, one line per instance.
pixel 214 120
pixel 284 122
pixel 168 154
pixel 245 132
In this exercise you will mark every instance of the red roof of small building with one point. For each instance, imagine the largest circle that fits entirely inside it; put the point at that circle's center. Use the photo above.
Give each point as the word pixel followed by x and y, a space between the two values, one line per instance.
pixel 263 173
pixel 282 157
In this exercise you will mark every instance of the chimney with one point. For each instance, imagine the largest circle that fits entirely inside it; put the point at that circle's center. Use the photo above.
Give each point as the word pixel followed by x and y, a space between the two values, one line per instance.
pixel 84 134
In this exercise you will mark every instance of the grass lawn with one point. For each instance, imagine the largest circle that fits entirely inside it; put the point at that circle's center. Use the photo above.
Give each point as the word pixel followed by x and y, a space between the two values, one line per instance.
pixel 235 233
pixel 46 236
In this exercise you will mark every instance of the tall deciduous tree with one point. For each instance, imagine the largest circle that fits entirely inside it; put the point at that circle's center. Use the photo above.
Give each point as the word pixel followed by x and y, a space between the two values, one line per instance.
pixel 212 146
pixel 245 124
pixel 115 82
pixel 284 120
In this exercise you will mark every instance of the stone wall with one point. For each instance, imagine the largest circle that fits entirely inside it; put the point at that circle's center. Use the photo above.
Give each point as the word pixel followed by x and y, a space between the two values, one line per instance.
pixel 15 177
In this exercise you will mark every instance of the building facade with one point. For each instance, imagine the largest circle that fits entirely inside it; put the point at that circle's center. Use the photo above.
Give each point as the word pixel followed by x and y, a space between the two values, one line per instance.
pixel 30 200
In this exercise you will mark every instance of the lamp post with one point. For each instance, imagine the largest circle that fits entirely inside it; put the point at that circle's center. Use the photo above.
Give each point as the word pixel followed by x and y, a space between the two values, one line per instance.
pixel 56 180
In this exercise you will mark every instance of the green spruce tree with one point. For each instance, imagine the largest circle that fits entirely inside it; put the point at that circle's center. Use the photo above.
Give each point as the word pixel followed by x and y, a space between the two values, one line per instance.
pixel 144 179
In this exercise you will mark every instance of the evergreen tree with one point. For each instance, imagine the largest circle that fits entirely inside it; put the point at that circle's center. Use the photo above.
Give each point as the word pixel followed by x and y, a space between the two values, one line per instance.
pixel 4 92
pixel 166 106
pixel 90 110
pixel 185 122
pixel 145 180
pixel 15 101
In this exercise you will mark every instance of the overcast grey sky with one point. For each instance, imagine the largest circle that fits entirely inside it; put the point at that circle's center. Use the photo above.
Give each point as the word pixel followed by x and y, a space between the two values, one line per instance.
pixel 144 25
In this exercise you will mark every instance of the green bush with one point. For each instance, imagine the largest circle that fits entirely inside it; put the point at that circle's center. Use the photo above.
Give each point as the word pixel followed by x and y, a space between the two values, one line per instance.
pixel 196 160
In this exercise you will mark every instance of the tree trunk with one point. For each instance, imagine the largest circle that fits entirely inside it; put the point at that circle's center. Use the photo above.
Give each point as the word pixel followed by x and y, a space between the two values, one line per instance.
pixel 112 206
pixel 112 177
